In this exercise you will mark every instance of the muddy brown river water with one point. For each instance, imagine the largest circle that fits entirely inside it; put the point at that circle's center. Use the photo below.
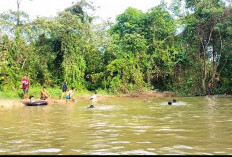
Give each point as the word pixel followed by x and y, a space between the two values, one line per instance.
pixel 120 126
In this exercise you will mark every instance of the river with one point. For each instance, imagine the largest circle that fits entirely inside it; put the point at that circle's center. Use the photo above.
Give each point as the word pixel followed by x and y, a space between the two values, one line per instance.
pixel 120 126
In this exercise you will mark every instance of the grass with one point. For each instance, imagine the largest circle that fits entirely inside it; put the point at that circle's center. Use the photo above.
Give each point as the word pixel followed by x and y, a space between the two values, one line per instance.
pixel 6 95
pixel 54 92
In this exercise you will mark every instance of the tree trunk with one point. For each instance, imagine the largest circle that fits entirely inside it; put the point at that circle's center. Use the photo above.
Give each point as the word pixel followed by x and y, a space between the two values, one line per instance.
pixel 214 61
pixel 214 68
pixel 18 17
pixel 205 47
pixel 204 73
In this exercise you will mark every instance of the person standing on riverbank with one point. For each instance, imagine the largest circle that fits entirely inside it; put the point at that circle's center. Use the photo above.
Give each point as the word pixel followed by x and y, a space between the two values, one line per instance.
pixel 209 88
pixel 64 89
pixel 25 83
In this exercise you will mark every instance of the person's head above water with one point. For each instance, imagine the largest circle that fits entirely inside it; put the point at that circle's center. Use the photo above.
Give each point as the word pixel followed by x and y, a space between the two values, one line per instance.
pixel 169 103
pixel 174 100
pixel 91 106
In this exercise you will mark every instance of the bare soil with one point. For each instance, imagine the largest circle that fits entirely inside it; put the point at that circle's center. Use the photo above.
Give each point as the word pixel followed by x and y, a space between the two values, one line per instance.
pixel 6 104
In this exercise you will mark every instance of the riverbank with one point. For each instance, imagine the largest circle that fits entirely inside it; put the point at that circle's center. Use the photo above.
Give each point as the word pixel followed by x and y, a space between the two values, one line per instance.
pixel 13 103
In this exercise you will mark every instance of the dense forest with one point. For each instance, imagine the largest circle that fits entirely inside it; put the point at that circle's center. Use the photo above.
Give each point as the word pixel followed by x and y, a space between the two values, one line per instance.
pixel 178 48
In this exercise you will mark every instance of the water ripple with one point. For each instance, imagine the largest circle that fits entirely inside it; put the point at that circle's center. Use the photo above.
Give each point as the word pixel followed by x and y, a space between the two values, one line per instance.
pixel 119 147
pixel 138 127
pixel 138 131
pixel 60 138
pixel 219 152
pixel 121 142
pixel 104 107
pixel 182 146
pixel 173 104
pixel 48 150
pixel 138 152
pixel 171 130
pixel 104 153
pixel 150 148
pixel 109 130
pixel 98 124
pixel 144 142
pixel 76 150
pixel 117 126
pixel 15 141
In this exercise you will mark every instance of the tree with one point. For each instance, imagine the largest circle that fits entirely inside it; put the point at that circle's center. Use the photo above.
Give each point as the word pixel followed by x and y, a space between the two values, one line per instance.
pixel 208 14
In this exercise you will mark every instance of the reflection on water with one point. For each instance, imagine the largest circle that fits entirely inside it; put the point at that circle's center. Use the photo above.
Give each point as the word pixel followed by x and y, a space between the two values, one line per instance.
pixel 120 126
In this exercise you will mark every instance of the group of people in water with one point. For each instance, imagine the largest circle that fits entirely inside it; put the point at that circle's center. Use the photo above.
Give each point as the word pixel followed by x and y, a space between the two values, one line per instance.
pixel 171 102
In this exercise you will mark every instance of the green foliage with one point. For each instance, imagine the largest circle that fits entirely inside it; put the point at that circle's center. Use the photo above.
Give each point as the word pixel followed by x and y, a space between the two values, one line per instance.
pixel 124 75
pixel 167 50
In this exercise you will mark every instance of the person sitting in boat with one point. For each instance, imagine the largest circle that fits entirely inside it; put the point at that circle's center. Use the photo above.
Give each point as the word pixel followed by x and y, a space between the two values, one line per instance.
pixel 44 94
pixel 31 97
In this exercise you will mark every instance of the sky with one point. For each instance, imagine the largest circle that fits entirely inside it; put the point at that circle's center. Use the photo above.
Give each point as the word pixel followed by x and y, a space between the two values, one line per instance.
pixel 106 9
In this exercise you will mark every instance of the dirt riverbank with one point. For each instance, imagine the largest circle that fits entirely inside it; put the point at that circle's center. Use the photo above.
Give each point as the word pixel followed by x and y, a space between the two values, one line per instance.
pixel 6 104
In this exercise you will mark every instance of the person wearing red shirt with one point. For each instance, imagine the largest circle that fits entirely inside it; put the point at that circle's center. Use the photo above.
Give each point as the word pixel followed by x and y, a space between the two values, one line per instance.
pixel 25 83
